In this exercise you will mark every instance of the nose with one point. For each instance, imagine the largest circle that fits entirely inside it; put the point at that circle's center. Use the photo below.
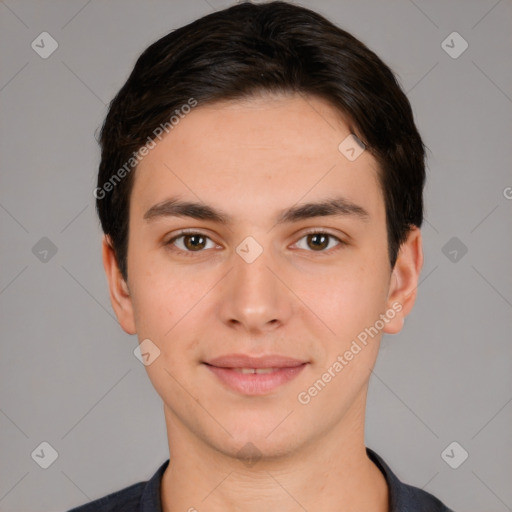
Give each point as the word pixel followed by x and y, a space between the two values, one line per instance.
pixel 255 297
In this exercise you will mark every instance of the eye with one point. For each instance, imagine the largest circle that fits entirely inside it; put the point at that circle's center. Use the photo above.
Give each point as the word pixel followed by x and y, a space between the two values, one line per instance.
pixel 319 241
pixel 189 242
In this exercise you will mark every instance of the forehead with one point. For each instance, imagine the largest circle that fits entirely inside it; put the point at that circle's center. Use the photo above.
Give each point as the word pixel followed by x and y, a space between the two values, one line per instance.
pixel 256 154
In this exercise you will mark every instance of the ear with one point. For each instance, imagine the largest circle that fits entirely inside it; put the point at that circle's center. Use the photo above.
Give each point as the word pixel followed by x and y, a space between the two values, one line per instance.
pixel 404 280
pixel 119 292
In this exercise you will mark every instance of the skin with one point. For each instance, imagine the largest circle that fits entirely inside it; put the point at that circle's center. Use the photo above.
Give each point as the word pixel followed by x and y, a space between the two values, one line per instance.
pixel 252 159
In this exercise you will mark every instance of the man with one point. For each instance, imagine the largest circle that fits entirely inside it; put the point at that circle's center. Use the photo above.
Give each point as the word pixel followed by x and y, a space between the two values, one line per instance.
pixel 260 191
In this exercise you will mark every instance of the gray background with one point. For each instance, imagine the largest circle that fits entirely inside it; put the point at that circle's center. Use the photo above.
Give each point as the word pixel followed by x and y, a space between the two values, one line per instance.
pixel 68 373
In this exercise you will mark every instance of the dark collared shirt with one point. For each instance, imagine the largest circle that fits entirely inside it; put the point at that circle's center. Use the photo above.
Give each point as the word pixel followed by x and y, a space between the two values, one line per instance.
pixel 145 496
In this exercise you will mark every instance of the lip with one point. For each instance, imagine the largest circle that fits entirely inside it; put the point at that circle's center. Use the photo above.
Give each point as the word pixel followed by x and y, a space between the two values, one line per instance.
pixel 246 361
pixel 285 369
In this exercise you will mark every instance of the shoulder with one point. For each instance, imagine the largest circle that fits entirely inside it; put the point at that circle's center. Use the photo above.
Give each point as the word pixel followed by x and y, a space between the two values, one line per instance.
pixel 140 497
pixel 417 500
pixel 126 500
pixel 404 497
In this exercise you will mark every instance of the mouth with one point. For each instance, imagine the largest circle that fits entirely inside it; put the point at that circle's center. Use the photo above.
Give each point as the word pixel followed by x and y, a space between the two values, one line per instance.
pixel 255 375
pixel 259 371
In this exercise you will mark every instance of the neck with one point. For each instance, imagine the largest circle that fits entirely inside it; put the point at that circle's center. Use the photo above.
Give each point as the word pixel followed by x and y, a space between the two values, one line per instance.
pixel 328 474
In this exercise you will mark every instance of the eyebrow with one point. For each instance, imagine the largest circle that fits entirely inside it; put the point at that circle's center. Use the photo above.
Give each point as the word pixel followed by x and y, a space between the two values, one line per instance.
pixel 337 206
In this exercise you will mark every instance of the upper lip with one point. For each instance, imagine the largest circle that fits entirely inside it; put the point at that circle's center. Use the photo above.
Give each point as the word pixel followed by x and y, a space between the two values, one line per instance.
pixel 245 361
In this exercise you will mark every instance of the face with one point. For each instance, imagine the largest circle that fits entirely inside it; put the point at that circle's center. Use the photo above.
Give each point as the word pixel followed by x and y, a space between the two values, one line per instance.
pixel 259 275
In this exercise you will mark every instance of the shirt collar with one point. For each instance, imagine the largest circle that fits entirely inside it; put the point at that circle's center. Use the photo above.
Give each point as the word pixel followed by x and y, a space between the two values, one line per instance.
pixel 150 500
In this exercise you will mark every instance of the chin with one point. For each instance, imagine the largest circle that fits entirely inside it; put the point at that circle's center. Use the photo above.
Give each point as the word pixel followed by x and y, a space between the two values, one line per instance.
pixel 251 451
pixel 259 440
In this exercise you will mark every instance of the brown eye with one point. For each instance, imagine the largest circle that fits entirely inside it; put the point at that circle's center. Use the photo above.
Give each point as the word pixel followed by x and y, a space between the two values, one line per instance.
pixel 193 242
pixel 189 243
pixel 319 241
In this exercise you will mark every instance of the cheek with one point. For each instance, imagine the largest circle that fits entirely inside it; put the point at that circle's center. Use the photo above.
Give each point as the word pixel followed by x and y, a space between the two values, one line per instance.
pixel 162 303
pixel 352 299
pixel 167 301
pixel 153 294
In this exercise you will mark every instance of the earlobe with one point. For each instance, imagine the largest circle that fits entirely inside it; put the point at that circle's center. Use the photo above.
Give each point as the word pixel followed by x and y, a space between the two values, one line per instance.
pixel 404 280
pixel 118 288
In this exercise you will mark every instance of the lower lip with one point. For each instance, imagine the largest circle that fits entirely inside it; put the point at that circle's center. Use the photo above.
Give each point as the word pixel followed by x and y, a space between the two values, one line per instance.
pixel 255 383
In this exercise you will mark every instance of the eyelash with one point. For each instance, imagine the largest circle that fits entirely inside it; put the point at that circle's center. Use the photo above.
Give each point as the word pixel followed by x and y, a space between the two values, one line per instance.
pixel 187 253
